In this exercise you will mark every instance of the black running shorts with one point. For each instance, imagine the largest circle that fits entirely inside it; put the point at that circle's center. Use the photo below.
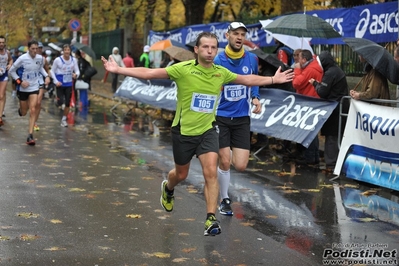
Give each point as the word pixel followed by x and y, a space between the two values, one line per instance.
pixel 234 132
pixel 64 95
pixel 185 147
pixel 24 95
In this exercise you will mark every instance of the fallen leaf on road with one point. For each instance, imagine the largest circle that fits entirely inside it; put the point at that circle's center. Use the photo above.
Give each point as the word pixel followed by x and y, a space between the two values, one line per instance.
pixel 289 191
pixel 274 171
pixel 351 185
pixel 88 178
pixel 136 216
pixel 117 203
pixel 55 249
pixel 28 215
pixel 89 196
pixel 188 219
pixel 247 224
pixel 75 189
pixel 29 237
pixel 55 221
pixel 180 260
pixel 284 187
pixel 369 193
pixel 4 238
pixel 366 220
pixel 271 216
pixel 29 181
pixel 188 250
pixel 326 186
pixel 157 254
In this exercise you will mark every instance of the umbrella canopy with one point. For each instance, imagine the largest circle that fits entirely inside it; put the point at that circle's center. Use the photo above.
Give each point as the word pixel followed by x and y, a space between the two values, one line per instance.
pixel 179 53
pixel 294 42
pixel 270 59
pixel 86 49
pixel 377 56
pixel 55 47
pixel 23 48
pixel 161 45
pixel 302 25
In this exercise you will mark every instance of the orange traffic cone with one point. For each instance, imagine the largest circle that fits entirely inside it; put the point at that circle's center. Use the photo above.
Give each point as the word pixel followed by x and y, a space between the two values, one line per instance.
pixel 72 106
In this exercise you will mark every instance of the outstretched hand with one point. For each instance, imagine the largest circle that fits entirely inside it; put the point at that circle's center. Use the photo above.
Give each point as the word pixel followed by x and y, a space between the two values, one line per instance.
pixel 283 77
pixel 109 65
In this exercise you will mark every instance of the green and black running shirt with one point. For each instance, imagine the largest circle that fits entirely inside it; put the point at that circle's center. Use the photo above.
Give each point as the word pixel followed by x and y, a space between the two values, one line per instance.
pixel 198 94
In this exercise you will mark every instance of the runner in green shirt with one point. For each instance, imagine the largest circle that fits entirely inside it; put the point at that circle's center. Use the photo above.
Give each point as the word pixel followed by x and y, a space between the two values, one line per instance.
pixel 193 131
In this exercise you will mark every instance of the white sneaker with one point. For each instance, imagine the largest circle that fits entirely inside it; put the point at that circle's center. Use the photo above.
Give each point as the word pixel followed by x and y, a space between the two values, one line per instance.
pixel 64 123
pixel 14 94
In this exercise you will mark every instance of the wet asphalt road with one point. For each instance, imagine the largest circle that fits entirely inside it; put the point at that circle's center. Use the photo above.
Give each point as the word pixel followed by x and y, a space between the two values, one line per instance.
pixel 89 195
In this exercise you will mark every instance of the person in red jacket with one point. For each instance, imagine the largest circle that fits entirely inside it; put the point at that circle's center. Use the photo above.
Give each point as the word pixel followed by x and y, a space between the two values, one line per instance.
pixel 128 60
pixel 307 68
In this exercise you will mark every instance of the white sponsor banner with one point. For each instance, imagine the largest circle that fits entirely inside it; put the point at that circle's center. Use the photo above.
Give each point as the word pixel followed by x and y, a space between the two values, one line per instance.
pixel 370 145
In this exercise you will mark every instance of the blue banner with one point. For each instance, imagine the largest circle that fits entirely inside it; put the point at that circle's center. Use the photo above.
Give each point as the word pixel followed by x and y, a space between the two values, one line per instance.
pixel 376 22
pixel 284 115
pixel 160 93
pixel 291 116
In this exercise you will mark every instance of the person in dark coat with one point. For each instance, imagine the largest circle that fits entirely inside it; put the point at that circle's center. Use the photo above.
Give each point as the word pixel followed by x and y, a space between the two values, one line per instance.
pixel 83 64
pixel 332 87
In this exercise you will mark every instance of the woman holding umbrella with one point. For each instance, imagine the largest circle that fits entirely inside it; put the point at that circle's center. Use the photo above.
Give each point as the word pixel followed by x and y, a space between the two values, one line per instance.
pixel 373 84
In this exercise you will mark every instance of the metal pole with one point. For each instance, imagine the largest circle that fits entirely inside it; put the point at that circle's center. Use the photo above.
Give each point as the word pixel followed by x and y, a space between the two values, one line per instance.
pixel 90 21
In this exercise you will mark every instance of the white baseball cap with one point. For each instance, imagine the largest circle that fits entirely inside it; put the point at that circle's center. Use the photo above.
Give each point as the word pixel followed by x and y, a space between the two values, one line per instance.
pixel 146 49
pixel 236 25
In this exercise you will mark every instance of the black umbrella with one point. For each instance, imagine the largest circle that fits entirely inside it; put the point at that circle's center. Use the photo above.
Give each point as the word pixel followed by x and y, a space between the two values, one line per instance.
pixel 270 59
pixel 86 49
pixel 302 25
pixel 377 56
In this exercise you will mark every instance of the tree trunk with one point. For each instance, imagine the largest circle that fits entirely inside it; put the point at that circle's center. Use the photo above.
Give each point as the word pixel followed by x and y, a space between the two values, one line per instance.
pixel 194 11
pixel 167 14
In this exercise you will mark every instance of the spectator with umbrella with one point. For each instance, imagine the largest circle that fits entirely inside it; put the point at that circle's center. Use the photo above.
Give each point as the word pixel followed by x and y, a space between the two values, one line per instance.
pixel 83 65
pixel 333 86
pixel 379 66
pixel 374 85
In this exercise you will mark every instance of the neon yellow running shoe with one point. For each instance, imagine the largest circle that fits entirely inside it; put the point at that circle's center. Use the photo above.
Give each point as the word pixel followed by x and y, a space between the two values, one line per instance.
pixel 167 200
pixel 36 128
pixel 212 226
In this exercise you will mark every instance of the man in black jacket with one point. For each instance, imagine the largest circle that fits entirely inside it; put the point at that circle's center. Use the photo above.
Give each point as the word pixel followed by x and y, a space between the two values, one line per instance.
pixel 333 87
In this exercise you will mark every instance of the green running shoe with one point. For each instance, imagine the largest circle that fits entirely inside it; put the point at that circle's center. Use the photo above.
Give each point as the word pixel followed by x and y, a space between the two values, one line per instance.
pixel 166 199
pixel 212 226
